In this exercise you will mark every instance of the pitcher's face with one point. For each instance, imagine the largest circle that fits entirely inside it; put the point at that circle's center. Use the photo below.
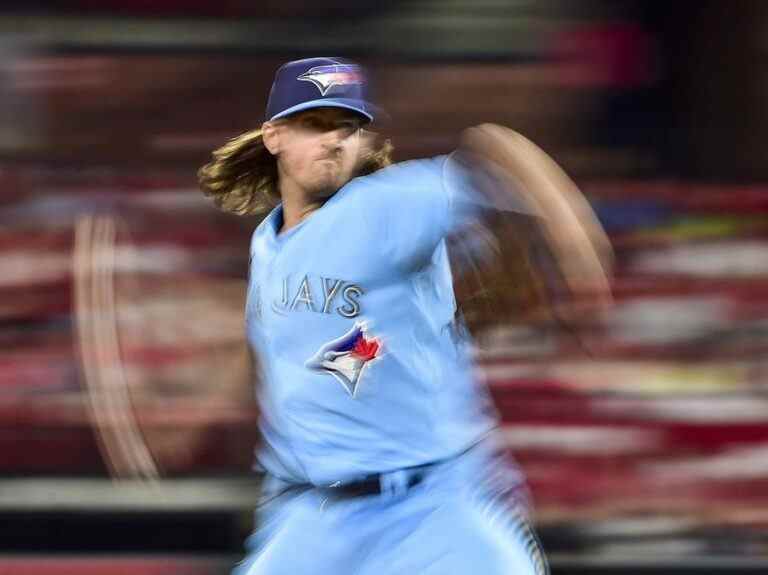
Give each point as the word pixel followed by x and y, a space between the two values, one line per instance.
pixel 318 149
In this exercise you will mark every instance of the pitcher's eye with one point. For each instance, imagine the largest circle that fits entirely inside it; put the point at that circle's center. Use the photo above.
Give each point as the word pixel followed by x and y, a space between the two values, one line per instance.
pixel 312 122
pixel 349 126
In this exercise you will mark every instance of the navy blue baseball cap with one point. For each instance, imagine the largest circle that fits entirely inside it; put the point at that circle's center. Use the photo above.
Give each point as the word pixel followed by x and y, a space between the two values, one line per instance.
pixel 319 83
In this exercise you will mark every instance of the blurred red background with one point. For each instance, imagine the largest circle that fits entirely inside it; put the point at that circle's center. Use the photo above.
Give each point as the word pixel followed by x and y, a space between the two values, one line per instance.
pixel 654 445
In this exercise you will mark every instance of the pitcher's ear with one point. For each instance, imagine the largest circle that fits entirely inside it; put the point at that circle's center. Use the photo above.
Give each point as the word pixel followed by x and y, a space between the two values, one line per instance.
pixel 270 134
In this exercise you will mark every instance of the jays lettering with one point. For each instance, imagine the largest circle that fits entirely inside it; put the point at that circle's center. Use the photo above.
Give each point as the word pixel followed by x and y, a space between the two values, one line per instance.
pixel 319 295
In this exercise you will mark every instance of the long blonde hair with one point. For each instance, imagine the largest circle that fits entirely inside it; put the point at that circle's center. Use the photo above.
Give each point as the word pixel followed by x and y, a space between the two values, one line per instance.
pixel 242 176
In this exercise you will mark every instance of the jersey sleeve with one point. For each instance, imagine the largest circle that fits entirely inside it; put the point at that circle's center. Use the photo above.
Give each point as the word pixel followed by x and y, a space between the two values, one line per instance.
pixel 420 202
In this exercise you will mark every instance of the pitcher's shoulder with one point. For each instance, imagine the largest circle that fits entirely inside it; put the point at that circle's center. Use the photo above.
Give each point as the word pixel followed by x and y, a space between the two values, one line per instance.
pixel 409 173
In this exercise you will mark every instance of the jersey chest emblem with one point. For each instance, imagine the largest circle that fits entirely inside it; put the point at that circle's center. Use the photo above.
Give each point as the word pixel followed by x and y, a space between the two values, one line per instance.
pixel 346 357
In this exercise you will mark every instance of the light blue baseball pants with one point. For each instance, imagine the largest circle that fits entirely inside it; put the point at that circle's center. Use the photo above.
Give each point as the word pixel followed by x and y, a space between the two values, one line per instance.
pixel 460 520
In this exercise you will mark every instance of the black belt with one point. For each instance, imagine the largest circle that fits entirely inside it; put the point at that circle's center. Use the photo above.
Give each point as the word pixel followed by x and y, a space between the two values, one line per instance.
pixel 377 483
pixel 367 486
pixel 373 485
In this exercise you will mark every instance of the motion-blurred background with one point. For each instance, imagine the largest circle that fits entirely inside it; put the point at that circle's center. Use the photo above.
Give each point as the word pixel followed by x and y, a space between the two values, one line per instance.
pixel 651 455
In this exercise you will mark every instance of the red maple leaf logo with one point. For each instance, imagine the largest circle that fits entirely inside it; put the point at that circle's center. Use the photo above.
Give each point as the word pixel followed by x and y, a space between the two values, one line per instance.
pixel 366 349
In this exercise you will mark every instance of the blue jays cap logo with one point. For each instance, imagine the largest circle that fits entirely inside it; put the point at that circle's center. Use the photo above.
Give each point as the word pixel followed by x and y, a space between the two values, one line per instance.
pixel 339 83
pixel 346 357
pixel 326 77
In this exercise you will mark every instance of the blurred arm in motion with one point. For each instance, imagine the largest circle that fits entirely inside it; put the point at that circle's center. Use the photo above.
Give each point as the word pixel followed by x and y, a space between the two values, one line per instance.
pixel 551 255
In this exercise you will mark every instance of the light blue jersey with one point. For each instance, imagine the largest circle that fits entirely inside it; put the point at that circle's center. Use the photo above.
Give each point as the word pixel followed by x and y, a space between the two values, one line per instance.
pixel 351 314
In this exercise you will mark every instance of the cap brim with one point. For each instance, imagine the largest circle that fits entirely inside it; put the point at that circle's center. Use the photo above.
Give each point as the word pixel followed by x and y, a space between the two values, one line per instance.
pixel 367 112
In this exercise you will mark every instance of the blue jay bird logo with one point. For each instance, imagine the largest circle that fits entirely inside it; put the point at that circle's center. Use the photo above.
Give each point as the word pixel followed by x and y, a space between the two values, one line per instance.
pixel 346 357
pixel 326 77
